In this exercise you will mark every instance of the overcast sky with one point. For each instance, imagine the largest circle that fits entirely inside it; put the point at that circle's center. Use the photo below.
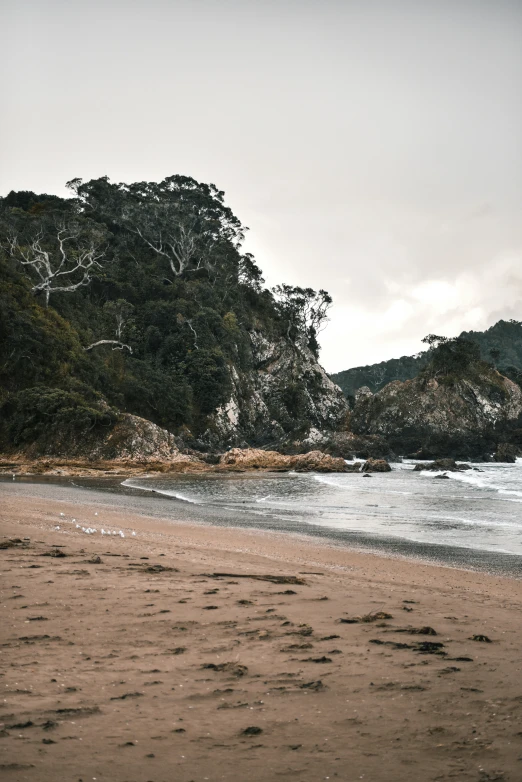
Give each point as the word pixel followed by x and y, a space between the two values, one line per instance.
pixel 373 147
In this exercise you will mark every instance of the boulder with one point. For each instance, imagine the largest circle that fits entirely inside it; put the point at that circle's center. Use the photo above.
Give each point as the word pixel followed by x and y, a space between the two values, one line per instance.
pixel 254 459
pixel 376 465
pixel 317 461
pixel 355 467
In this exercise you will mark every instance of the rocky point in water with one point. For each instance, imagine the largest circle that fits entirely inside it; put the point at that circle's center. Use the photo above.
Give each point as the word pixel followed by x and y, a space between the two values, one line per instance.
pixel 466 417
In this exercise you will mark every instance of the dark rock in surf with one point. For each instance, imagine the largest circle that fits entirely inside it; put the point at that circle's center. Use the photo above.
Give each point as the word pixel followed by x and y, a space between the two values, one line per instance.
pixel 506 452
pixel 448 465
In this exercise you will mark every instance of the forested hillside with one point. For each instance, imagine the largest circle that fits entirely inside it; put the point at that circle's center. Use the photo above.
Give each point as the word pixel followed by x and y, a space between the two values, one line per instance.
pixel 500 345
pixel 139 298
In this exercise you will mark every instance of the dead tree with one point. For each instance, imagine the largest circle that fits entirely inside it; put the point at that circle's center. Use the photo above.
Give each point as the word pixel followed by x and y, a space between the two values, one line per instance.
pixel 121 312
pixel 62 259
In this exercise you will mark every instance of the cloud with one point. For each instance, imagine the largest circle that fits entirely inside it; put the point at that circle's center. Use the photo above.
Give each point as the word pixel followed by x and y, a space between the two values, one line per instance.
pixel 373 148
pixel 472 300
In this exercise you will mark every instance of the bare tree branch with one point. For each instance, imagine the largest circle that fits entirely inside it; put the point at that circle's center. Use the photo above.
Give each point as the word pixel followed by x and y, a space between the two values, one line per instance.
pixel 193 330
pixel 117 345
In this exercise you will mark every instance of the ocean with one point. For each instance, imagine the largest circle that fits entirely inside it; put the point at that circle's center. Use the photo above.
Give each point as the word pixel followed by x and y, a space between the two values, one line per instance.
pixel 479 510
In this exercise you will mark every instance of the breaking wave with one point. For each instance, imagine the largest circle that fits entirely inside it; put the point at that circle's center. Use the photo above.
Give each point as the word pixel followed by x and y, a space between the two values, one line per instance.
pixel 175 495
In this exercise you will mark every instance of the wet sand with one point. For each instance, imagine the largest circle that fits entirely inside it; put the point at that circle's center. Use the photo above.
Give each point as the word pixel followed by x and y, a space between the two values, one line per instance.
pixel 190 652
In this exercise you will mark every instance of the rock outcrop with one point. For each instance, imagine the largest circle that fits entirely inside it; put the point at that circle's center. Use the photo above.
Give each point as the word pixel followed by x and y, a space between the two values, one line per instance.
pixel 137 440
pixel 131 440
pixel 506 452
pixel 257 459
pixel 376 465
pixel 462 417
pixel 448 465
pixel 347 445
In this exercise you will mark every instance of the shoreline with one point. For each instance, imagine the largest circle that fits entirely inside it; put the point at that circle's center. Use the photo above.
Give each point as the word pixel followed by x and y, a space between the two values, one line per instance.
pixel 112 491
pixel 242 539
pixel 132 651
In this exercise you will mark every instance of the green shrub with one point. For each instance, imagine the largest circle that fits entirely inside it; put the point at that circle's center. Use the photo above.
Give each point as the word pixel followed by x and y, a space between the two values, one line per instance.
pixel 39 412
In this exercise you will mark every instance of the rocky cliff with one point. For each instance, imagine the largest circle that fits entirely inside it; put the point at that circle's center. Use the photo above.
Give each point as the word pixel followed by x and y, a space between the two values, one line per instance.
pixel 285 396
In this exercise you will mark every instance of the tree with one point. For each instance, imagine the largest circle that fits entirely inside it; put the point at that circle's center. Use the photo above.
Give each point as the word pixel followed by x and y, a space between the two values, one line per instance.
pixel 249 273
pixel 120 313
pixel 181 220
pixel 170 233
pixel 451 356
pixel 59 252
pixel 433 340
pixel 305 312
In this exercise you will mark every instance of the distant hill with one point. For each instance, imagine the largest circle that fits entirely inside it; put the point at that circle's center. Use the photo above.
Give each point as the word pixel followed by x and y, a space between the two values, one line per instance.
pixel 504 337
pixel 376 376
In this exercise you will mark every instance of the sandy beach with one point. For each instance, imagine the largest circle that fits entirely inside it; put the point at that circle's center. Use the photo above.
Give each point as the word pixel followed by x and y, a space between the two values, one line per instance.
pixel 188 652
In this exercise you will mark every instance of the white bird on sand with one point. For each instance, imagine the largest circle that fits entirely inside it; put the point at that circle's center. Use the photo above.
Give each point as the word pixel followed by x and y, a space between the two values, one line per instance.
pixel 133 533
pixel 121 534
pixel 62 514
pixel 57 527
pixel 77 526
pixel 95 514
